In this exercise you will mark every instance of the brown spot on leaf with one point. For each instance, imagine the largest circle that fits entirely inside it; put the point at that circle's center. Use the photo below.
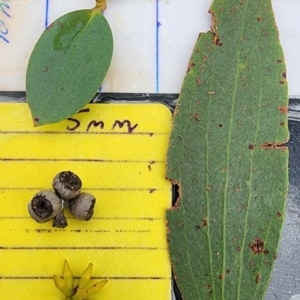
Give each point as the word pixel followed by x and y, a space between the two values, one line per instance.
pixel 266 251
pixel 204 222
pixel 284 74
pixel 282 123
pixel 281 82
pixel 198 81
pixel 218 42
pixel 151 191
pixel 216 39
pixel 220 125
pixel 238 249
pixel 278 214
pixel 46 69
pixel 198 227
pixel 283 109
pixel 257 246
pixel 227 271
pixel 257 279
pixel 280 146
pixel 195 116
pixel 279 60
pixel 250 147
pixel 259 19
pixel 190 66
pixel 221 276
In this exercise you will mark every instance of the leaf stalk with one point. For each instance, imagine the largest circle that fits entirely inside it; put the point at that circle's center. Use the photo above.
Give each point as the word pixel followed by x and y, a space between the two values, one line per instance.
pixel 101 5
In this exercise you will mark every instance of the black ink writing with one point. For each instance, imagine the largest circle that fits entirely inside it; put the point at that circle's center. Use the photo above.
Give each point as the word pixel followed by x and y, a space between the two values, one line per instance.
pixel 100 124
pixel 77 123
pixel 125 122
pixel 4 13
pixel 95 124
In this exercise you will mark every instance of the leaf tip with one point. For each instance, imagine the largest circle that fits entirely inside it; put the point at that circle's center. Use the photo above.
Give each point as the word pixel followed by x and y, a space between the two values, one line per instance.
pixel 36 121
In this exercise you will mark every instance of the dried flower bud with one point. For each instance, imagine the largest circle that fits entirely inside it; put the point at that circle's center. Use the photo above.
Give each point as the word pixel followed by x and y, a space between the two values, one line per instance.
pixel 44 206
pixel 67 185
pixel 82 207
pixel 60 221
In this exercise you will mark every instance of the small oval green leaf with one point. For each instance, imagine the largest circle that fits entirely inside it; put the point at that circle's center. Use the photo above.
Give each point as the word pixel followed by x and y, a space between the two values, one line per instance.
pixel 67 65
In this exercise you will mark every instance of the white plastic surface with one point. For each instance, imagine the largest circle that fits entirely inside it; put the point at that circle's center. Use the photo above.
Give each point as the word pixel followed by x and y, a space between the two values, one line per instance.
pixel 153 40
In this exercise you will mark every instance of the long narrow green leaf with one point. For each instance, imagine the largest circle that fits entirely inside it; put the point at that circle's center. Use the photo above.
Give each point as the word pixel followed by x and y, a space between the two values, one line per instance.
pixel 227 156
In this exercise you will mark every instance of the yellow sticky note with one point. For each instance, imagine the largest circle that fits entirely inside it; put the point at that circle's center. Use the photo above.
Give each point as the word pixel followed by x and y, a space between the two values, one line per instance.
pixel 119 152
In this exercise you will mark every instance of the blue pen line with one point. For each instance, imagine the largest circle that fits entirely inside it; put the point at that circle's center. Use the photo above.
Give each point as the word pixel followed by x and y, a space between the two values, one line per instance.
pixel 47 13
pixel 157 46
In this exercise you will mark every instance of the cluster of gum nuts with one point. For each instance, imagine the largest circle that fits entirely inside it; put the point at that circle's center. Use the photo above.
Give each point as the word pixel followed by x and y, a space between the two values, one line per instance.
pixel 47 205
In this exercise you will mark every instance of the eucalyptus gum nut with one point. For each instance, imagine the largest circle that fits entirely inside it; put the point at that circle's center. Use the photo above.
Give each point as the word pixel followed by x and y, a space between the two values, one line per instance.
pixel 44 206
pixel 67 185
pixel 67 65
pixel 82 207
pixel 60 221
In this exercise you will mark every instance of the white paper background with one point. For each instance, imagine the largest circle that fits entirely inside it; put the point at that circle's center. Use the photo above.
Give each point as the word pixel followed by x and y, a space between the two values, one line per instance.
pixel 138 64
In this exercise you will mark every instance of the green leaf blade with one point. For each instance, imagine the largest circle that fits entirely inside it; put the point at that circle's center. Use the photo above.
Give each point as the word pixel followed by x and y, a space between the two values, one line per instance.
pixel 67 65
pixel 226 154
